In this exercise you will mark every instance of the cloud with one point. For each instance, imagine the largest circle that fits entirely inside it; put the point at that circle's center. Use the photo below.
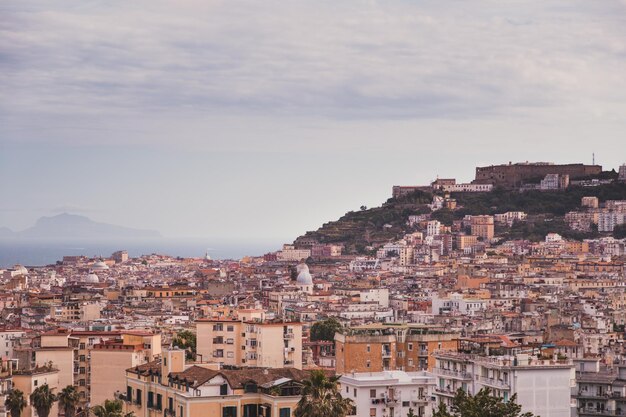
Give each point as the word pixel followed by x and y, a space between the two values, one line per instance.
pixel 355 60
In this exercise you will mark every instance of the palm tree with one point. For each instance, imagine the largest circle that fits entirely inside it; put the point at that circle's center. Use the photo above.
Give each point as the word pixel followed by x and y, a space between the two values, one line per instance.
pixel 68 400
pixel 110 408
pixel 15 402
pixel 321 398
pixel 42 399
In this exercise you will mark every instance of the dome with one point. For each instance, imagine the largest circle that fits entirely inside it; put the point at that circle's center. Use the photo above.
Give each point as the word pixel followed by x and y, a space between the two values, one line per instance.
pixel 92 279
pixel 304 276
pixel 99 265
pixel 20 269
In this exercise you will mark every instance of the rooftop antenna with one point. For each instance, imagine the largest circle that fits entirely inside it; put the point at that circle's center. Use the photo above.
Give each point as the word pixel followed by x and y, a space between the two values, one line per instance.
pixel 593 158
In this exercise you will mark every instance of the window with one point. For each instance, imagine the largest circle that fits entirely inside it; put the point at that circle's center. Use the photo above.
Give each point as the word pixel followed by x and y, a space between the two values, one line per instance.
pixel 367 364
pixel 230 328
pixel 150 401
pixel 81 346
pixel 224 389
pixel 355 393
pixel 36 382
pixel 250 410
pixel 410 346
pixel 170 404
pixel 284 412
pixel 368 348
pixel 81 370
pixel 229 412
pixel 182 411
pixel 372 412
pixel 138 397
pixel 230 354
pixel 129 394
pixel 159 404
pixel 372 393
pixel 410 362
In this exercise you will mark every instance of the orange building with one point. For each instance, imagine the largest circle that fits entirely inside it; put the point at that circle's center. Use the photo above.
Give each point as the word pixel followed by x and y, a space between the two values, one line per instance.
pixel 377 348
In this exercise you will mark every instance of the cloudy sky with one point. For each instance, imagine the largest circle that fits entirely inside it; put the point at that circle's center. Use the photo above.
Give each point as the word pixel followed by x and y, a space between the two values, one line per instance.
pixel 267 118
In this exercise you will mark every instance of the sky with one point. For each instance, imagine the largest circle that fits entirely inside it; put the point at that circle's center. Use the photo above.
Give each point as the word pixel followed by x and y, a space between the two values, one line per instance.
pixel 264 119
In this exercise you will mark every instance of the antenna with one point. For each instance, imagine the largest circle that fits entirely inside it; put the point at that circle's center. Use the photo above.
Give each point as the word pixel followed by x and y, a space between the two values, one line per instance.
pixel 593 158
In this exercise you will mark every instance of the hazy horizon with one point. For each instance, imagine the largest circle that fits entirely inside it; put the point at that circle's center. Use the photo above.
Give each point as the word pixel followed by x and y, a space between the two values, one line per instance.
pixel 253 120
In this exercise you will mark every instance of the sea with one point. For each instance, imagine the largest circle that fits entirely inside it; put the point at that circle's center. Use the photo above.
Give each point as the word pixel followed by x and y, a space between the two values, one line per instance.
pixel 38 252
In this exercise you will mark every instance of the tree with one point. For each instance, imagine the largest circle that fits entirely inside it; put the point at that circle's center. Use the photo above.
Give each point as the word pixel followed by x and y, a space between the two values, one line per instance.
pixel 68 400
pixel 186 340
pixel 15 402
pixel 325 329
pixel 42 399
pixel 482 404
pixel 321 398
pixel 363 208
pixel 411 413
pixel 110 408
pixel 619 232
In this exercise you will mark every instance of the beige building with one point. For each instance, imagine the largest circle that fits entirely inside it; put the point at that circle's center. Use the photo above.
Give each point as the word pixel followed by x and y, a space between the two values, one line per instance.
pixel 109 362
pixel 483 226
pixel 28 381
pixel 250 343
pixel 170 388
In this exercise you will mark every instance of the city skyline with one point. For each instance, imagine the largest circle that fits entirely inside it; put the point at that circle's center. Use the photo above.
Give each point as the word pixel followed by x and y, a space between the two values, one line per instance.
pixel 291 114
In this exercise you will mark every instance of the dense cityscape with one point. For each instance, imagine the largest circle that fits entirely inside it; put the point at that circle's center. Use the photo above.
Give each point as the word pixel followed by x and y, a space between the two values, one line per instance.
pixel 400 310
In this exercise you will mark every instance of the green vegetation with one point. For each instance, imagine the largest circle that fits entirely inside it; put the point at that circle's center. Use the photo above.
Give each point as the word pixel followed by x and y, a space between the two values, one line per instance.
pixel 620 231
pixel 186 340
pixel 482 404
pixel 42 399
pixel 325 329
pixel 534 202
pixel 68 400
pixel 15 402
pixel 110 408
pixel 360 230
pixel 321 398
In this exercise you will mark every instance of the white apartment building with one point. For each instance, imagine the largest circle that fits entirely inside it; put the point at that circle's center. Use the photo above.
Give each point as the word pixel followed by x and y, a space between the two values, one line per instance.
pixel 608 220
pixel 8 339
pixel 543 387
pixel 456 303
pixel 389 393
pixel 466 188
pixel 433 228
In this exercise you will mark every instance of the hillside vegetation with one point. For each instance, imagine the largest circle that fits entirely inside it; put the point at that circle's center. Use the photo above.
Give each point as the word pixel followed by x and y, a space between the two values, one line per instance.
pixel 372 227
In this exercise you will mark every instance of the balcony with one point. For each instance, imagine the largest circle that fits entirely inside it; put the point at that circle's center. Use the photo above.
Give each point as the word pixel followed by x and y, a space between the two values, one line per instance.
pixel 386 353
pixel 595 412
pixel 169 413
pixel 498 383
pixel 453 373
pixel 287 335
pixel 445 391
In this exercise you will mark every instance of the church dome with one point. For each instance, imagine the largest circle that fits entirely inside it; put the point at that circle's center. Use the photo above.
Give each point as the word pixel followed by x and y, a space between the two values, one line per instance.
pixel 91 279
pixel 304 276
pixel 99 266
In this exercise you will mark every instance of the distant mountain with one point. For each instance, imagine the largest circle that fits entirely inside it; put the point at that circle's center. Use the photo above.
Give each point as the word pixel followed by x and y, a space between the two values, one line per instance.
pixel 74 226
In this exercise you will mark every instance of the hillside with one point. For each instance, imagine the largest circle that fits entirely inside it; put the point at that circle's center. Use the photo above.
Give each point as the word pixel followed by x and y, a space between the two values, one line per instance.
pixel 375 226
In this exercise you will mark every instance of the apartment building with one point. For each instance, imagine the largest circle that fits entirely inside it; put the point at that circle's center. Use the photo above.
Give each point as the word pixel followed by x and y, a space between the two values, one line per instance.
pixel 255 343
pixel 170 388
pixel 483 226
pixel 543 386
pixel 9 338
pixel 29 380
pixel 378 348
pixel 389 393
pixel 109 362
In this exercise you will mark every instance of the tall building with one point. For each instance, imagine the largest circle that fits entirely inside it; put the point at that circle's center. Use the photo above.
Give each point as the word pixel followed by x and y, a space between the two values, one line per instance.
pixel 543 386
pixel 483 226
pixel 268 344
pixel 378 348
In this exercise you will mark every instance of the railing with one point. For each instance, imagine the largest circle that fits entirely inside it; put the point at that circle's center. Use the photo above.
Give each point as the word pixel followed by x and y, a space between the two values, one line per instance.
pixel 386 354
pixel 452 373
pixel 288 335
pixel 595 412
pixel 495 382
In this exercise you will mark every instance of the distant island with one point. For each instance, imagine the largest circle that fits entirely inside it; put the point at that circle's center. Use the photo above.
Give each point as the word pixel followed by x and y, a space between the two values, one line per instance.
pixel 73 226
